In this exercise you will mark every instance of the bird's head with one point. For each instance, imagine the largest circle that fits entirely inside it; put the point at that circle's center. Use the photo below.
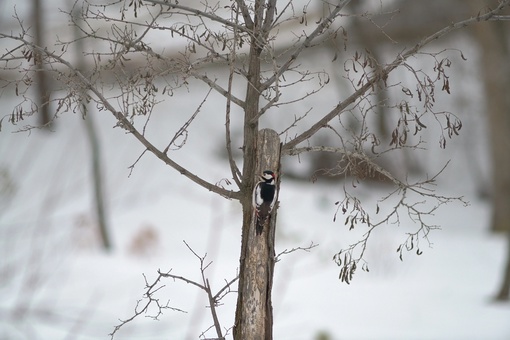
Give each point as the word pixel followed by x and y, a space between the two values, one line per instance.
pixel 268 176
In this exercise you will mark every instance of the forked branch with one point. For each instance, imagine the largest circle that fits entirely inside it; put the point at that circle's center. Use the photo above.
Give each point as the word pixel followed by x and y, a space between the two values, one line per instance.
pixel 199 13
pixel 152 289
pixel 383 73
pixel 124 122
pixel 149 296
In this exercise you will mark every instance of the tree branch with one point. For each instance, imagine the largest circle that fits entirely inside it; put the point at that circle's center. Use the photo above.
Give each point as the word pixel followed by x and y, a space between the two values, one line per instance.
pixel 289 251
pixel 270 12
pixel 348 154
pixel 382 74
pixel 212 305
pixel 307 43
pixel 246 14
pixel 181 278
pixel 149 294
pixel 200 13
pixel 236 173
pixel 227 286
pixel 207 287
pixel 183 131
pixel 226 93
pixel 124 123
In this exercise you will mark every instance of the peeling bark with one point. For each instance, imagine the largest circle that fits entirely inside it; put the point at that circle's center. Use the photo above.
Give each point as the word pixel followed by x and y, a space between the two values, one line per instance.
pixel 254 313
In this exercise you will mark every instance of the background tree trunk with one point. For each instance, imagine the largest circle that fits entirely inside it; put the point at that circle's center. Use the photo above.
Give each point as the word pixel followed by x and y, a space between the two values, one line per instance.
pixel 254 313
pixel 97 179
pixel 504 289
pixel 95 148
pixel 43 91
pixel 496 76
pixel 495 53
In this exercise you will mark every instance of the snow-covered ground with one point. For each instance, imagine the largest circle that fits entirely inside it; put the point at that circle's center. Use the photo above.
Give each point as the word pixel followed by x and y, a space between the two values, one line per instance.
pixel 56 283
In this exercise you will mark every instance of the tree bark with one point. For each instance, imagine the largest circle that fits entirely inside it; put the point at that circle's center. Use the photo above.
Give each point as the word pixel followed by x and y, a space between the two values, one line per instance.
pixel 95 148
pixel 504 290
pixel 492 38
pixel 495 52
pixel 42 87
pixel 254 313
pixel 97 179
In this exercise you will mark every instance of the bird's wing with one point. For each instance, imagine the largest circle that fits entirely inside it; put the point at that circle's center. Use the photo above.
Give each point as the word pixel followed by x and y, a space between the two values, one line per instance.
pixel 256 199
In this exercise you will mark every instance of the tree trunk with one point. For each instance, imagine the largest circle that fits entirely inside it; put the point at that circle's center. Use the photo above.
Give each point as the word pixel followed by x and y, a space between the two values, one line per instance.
pixel 97 179
pixel 42 87
pixel 254 313
pixel 95 148
pixel 504 290
pixel 493 40
pixel 496 76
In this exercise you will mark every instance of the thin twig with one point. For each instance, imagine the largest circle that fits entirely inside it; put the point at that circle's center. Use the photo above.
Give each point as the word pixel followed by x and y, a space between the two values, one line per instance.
pixel 200 13
pixel 126 124
pixel 289 251
pixel 149 295
pixel 236 173
pixel 377 76
pixel 183 131
pixel 306 43
pixel 212 305
pixel 219 295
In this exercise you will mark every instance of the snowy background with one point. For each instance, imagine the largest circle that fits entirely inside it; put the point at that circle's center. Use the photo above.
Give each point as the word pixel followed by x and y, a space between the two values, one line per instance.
pixel 57 283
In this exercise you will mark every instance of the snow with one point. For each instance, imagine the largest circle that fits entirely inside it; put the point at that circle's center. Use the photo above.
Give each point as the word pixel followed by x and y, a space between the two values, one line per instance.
pixel 52 264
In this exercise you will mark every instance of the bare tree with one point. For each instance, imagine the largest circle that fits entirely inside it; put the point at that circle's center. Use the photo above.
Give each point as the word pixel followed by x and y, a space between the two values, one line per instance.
pixel 261 46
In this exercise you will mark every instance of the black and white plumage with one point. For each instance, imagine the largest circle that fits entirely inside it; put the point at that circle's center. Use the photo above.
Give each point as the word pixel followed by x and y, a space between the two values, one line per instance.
pixel 264 198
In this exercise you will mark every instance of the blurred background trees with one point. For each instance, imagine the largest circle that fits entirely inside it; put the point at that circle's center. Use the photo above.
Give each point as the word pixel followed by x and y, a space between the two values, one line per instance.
pixel 397 25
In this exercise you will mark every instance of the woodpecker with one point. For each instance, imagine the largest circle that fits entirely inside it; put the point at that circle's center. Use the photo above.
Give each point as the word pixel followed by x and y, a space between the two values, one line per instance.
pixel 264 198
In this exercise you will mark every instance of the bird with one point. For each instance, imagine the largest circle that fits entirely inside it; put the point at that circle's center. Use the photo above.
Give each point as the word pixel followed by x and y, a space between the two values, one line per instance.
pixel 264 198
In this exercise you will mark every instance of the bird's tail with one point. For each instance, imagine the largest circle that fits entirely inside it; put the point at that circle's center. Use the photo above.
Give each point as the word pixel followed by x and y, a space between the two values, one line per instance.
pixel 262 217
pixel 259 225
